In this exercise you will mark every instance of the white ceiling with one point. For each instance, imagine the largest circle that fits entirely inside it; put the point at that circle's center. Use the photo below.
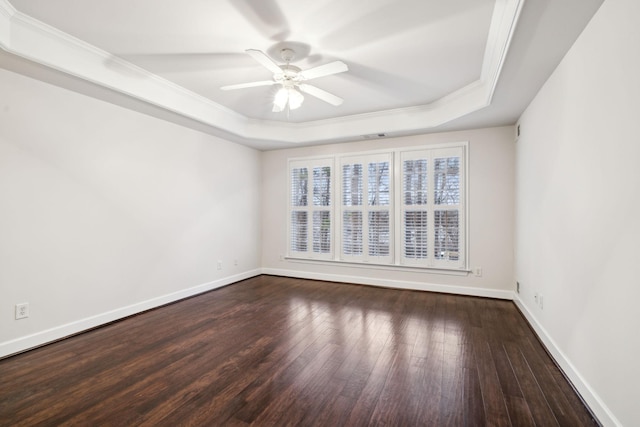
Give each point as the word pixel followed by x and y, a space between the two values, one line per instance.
pixel 414 65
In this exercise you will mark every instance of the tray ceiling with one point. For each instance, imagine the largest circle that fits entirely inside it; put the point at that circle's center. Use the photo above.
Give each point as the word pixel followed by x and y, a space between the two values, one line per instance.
pixel 414 65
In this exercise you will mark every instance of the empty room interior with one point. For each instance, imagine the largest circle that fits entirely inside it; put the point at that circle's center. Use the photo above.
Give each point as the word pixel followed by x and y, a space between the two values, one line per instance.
pixel 276 212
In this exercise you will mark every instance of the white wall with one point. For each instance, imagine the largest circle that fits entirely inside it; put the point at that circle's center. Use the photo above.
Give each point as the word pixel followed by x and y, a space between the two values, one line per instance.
pixel 105 212
pixel 578 212
pixel 491 185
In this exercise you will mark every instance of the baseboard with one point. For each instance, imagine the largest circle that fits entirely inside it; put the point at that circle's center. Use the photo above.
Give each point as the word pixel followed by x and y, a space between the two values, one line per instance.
pixel 591 398
pixel 37 339
pixel 396 284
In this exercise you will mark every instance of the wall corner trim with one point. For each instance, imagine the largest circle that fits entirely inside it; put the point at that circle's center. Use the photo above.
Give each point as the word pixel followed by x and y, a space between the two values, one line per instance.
pixel 595 403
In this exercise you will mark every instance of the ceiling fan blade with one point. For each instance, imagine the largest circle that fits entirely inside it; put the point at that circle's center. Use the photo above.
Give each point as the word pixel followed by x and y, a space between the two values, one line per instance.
pixel 265 16
pixel 264 60
pixel 321 94
pixel 246 85
pixel 324 70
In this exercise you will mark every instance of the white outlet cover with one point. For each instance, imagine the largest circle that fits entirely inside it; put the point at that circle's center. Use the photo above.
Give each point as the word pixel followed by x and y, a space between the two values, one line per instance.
pixel 22 311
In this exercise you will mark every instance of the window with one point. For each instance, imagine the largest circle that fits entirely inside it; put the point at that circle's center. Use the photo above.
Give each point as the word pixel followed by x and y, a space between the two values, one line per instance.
pixel 366 208
pixel 310 220
pixel 432 208
pixel 405 207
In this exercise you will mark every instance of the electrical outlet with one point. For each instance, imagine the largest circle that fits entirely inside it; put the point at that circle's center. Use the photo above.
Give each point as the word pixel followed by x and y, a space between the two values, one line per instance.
pixel 22 310
pixel 477 271
pixel 219 265
pixel 540 302
pixel 235 262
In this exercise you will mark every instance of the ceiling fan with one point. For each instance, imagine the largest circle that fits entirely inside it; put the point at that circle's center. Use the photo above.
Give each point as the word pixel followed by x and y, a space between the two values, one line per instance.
pixel 292 79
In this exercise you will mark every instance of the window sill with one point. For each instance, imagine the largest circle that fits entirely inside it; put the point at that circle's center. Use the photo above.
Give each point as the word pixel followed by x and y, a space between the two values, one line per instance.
pixel 391 267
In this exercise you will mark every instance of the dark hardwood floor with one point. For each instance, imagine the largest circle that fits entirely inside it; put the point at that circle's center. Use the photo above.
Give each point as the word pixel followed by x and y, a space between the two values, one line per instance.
pixel 279 351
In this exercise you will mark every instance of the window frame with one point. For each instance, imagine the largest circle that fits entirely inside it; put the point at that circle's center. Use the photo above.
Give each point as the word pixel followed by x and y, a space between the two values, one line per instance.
pixel 396 258
pixel 310 208
pixel 364 208
pixel 430 153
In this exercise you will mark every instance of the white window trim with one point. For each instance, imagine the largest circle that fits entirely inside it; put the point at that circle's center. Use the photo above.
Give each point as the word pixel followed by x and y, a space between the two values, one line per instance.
pixel 395 261
pixel 430 153
pixel 364 208
pixel 310 163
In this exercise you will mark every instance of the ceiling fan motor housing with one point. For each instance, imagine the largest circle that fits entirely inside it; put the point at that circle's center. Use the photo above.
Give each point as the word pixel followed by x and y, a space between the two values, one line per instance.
pixel 287 54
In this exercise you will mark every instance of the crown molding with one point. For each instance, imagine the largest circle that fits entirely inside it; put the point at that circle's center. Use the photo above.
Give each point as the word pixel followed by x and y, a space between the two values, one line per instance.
pixel 6 12
pixel 26 37
pixel 7 9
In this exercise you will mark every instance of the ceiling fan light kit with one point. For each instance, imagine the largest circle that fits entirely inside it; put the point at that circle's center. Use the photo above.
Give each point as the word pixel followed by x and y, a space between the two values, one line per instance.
pixel 291 79
pixel 286 96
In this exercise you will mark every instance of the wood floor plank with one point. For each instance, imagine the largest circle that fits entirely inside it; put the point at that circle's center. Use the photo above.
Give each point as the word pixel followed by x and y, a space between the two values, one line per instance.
pixel 431 373
pixel 366 402
pixel 519 412
pixel 538 404
pixel 281 351
pixel 395 404
pixel 557 398
pixel 473 406
pixel 493 399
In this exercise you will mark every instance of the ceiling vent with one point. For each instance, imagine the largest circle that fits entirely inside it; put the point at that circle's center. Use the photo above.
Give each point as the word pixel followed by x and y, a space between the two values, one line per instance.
pixel 374 136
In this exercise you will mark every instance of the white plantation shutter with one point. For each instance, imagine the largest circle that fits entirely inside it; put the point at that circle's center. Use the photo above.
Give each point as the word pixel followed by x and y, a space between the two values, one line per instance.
pixel 446 200
pixel 379 191
pixel 321 236
pixel 415 217
pixel 405 210
pixel 366 208
pixel 310 206
pixel 432 208
pixel 299 215
pixel 352 228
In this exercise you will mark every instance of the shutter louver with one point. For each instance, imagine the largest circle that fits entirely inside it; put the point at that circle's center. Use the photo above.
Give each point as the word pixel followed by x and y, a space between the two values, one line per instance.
pixel 352 185
pixel 446 235
pixel 298 231
pixel 379 233
pixel 322 186
pixel 378 185
pixel 299 180
pixel 352 233
pixel 447 181
pixel 322 232
pixel 416 227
